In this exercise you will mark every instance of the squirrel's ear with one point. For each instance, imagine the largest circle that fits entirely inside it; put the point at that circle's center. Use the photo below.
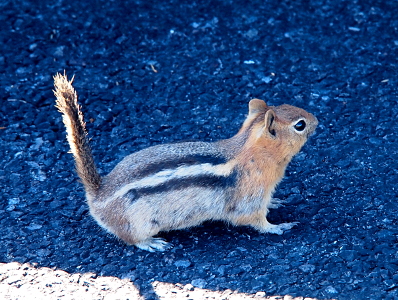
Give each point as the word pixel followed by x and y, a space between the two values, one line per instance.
pixel 270 123
pixel 257 106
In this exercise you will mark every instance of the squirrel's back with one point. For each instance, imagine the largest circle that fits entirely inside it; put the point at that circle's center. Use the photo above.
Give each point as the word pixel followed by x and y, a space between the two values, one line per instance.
pixel 150 161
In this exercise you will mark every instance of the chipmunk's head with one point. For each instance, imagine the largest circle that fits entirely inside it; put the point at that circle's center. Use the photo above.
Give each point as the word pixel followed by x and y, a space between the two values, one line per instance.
pixel 283 129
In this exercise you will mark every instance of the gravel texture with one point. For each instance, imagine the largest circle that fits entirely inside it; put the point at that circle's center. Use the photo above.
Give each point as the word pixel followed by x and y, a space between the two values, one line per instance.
pixel 152 72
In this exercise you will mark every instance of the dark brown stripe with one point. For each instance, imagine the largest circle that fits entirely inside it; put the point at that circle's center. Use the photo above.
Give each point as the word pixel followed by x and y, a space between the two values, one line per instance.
pixel 174 163
pixel 207 181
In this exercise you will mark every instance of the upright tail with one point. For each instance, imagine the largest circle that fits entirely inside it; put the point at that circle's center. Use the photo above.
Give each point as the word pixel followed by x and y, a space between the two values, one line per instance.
pixel 72 117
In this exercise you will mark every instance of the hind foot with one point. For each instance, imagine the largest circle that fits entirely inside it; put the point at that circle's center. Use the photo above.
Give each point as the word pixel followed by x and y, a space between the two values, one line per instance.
pixel 153 244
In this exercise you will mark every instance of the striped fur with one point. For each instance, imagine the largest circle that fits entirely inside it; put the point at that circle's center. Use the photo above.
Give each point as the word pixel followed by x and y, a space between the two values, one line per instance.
pixel 174 186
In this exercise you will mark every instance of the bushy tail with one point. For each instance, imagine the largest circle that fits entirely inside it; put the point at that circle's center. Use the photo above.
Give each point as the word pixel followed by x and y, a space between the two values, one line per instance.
pixel 72 117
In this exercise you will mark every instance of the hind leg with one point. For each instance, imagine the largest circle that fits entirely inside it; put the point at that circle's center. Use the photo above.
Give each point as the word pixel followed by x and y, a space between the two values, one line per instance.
pixel 141 238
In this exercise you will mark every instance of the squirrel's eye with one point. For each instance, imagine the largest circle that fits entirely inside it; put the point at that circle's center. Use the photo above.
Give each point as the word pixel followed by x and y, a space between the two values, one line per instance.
pixel 300 125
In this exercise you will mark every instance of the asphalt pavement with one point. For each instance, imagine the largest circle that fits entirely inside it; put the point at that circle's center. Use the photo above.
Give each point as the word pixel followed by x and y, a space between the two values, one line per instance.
pixel 151 72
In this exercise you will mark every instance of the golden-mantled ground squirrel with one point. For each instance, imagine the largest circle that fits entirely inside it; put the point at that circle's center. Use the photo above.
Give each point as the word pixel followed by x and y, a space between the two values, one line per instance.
pixel 180 185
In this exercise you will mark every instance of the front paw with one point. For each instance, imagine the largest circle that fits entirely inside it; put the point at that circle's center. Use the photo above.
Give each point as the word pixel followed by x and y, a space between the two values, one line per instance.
pixel 275 203
pixel 278 229
pixel 153 244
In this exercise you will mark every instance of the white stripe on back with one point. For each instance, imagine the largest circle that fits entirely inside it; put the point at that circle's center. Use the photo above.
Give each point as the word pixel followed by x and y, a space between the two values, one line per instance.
pixel 182 172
